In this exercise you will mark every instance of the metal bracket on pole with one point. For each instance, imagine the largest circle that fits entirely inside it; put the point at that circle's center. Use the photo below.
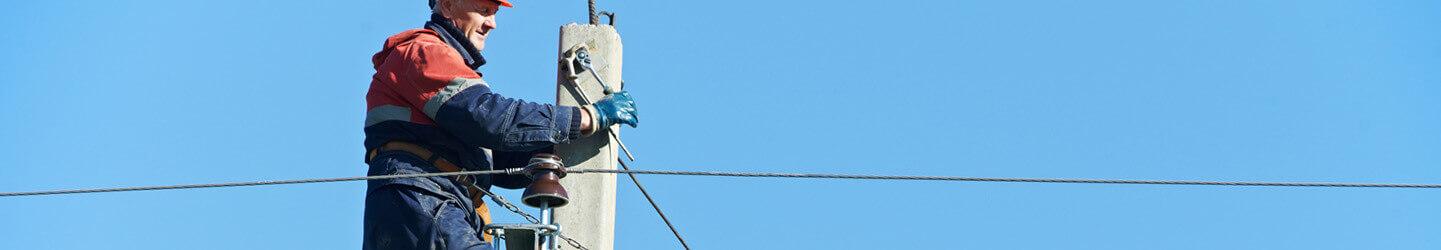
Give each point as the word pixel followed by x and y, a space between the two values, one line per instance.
pixel 577 59
pixel 521 236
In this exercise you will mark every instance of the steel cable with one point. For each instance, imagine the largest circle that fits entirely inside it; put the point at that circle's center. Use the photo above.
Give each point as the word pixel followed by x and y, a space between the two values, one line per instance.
pixel 1024 180
pixel 744 174
pixel 247 183
pixel 643 192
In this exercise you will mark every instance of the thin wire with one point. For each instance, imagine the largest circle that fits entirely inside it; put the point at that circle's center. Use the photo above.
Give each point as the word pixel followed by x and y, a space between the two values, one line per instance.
pixel 653 205
pixel 583 98
pixel 744 174
pixel 248 183
pixel 497 198
pixel 1025 180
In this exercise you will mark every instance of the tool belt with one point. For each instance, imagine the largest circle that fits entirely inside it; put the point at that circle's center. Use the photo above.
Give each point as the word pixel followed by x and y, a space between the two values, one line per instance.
pixel 444 166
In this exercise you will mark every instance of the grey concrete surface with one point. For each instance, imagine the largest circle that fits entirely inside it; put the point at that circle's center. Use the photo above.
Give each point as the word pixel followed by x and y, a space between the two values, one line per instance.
pixel 590 216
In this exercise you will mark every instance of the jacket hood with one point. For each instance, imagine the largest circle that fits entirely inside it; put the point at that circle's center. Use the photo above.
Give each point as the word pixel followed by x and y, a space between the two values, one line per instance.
pixel 436 30
pixel 400 39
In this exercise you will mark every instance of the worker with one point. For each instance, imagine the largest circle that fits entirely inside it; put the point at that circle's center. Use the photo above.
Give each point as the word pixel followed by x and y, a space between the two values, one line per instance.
pixel 429 110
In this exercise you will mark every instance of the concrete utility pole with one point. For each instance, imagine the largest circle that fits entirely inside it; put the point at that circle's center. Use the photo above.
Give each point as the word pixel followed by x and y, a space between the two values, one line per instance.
pixel 590 216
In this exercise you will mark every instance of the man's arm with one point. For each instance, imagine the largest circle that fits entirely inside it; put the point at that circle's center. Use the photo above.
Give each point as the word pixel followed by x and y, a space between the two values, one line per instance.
pixel 483 118
pixel 456 99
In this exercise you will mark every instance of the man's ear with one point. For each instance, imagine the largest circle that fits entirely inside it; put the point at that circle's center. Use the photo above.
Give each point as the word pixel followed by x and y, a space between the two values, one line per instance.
pixel 443 6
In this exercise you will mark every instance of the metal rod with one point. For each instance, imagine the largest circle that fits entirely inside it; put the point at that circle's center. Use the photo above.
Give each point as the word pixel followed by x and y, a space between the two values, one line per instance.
pixel 583 56
pixel 586 99
pixel 547 239
pixel 623 149
pixel 683 244
pixel 597 78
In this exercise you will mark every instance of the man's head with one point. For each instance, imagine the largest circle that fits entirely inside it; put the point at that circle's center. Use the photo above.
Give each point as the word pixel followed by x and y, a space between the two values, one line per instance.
pixel 474 18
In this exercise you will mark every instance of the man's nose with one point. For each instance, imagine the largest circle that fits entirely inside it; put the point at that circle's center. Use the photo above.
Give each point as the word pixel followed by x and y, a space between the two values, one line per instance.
pixel 489 23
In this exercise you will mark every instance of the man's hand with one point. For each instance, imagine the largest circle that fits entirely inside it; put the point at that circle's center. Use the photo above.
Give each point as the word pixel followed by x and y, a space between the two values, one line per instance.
pixel 616 108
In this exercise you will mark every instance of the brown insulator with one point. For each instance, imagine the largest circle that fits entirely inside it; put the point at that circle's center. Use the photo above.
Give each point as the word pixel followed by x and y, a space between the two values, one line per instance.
pixel 545 173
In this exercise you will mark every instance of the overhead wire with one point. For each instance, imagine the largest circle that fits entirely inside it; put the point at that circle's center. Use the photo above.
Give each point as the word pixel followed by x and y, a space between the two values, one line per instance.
pixel 1023 180
pixel 583 57
pixel 632 173
pixel 658 211
pixel 746 174
pixel 249 183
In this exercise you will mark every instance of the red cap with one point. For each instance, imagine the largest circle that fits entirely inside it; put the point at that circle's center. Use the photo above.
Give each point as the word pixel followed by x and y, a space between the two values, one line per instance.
pixel 505 3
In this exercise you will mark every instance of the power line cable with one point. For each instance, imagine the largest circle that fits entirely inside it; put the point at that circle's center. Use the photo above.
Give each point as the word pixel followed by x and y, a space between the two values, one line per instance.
pixel 747 174
pixel 1024 180
pixel 673 231
pixel 249 183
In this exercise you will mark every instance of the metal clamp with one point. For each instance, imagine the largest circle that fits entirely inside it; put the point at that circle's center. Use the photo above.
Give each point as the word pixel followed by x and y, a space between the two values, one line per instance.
pixel 538 228
pixel 522 236
pixel 610 16
pixel 576 60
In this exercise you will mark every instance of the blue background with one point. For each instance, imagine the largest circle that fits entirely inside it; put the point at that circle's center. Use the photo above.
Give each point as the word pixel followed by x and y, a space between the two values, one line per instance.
pixel 122 93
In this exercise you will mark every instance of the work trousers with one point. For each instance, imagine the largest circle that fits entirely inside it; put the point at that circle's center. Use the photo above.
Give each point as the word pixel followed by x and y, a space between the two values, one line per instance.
pixel 417 213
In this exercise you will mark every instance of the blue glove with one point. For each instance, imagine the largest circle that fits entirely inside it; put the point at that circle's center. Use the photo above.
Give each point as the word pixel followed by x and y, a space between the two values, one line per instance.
pixel 615 108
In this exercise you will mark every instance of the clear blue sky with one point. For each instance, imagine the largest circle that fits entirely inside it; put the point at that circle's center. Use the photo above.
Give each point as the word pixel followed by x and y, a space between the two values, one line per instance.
pixel 120 93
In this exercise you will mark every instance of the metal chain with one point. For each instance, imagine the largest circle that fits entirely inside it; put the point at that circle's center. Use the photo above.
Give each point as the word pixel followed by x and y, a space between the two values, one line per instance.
pixel 507 205
pixel 1025 180
pixel 531 218
pixel 571 242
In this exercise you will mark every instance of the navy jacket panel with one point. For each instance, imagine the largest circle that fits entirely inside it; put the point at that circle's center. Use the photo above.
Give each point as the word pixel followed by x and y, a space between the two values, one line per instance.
pixel 417 213
pixel 486 119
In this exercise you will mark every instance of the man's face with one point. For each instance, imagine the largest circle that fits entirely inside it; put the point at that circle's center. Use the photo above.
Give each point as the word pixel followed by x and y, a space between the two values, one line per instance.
pixel 474 18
